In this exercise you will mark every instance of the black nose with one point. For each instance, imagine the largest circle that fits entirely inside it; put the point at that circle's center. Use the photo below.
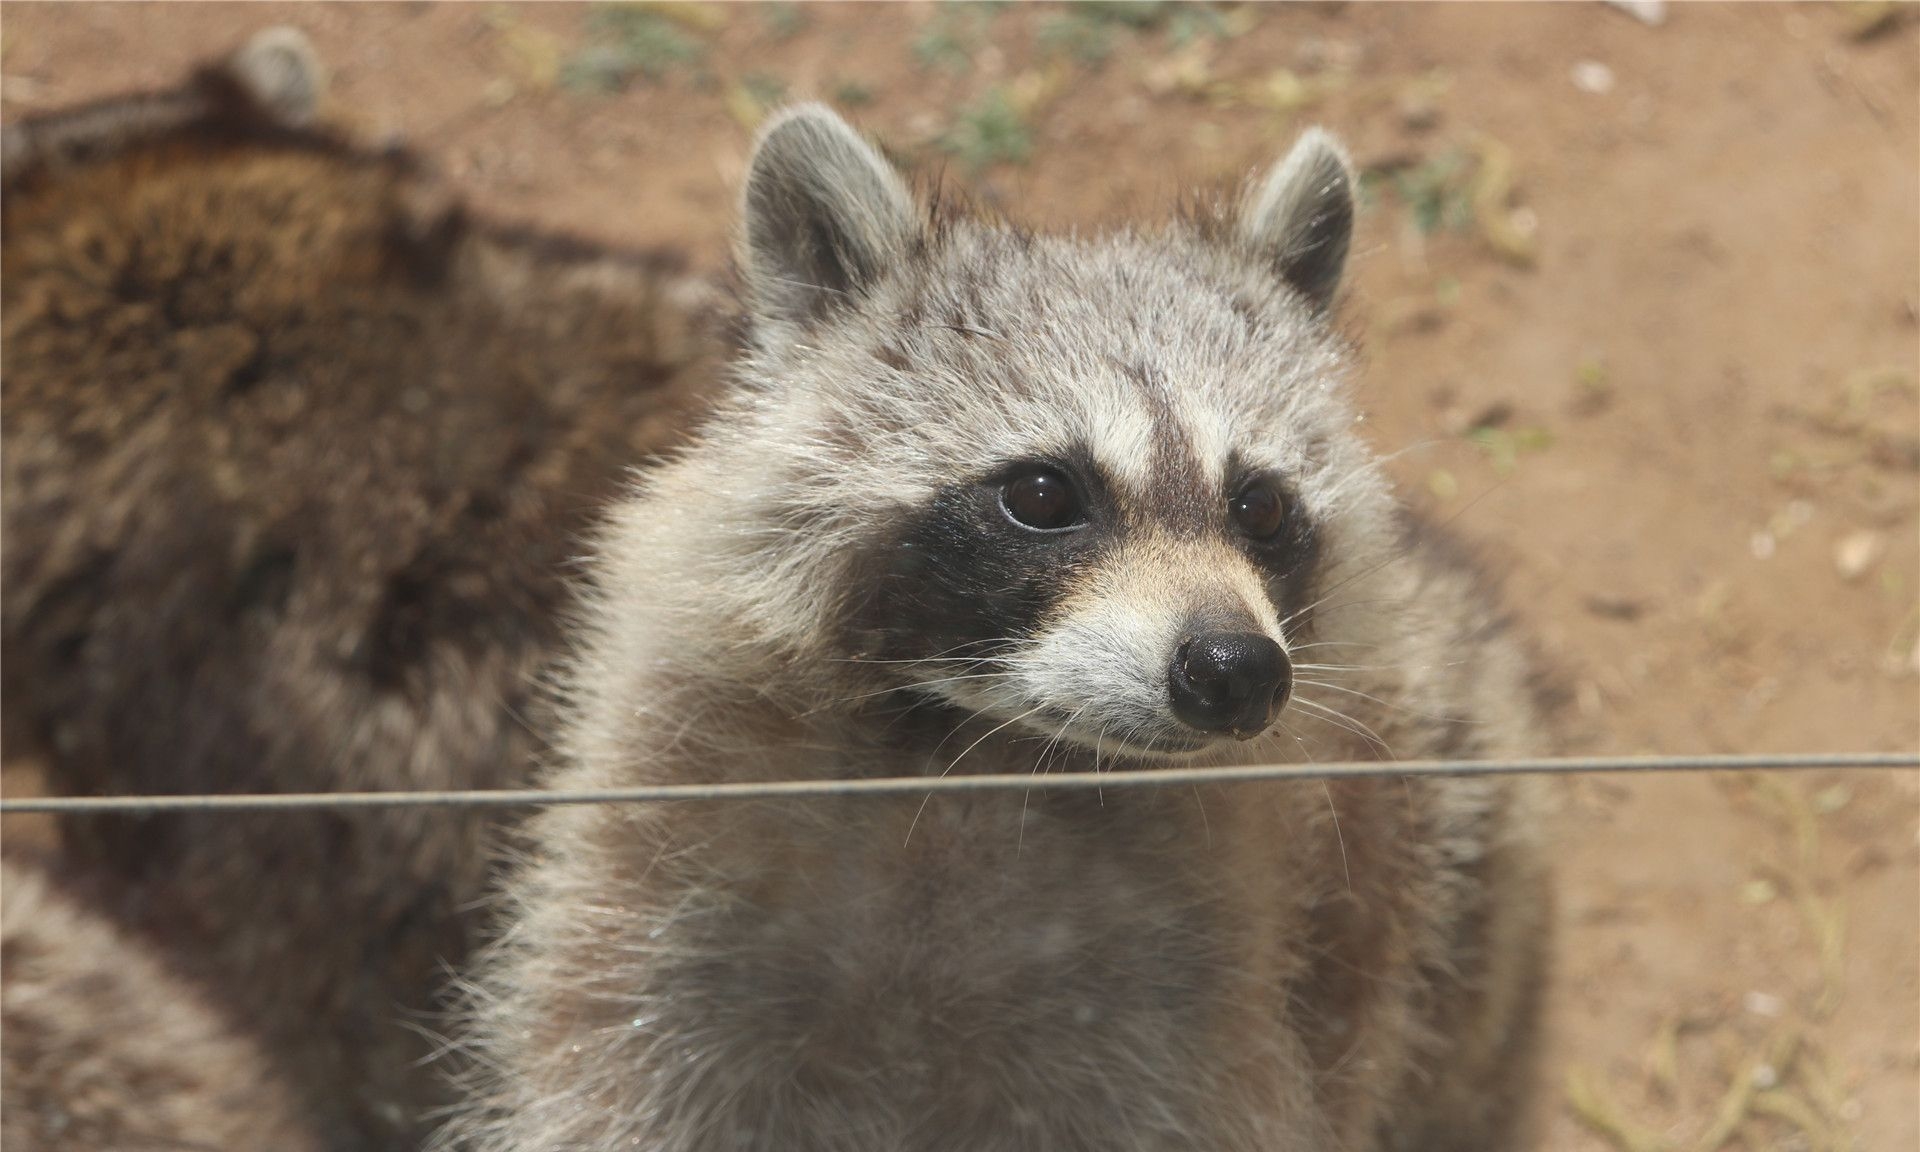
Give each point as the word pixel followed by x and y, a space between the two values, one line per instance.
pixel 1230 682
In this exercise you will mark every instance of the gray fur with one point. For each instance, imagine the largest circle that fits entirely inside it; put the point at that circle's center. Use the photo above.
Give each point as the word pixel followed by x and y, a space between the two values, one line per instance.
pixel 102 1049
pixel 1302 215
pixel 1308 967
pixel 822 215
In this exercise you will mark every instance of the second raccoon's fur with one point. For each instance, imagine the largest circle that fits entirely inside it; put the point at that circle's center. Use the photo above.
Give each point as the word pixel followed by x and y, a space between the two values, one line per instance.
pixel 296 456
pixel 833 583
pixel 102 1049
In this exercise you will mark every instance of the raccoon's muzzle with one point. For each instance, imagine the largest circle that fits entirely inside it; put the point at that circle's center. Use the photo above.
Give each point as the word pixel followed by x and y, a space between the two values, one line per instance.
pixel 1233 682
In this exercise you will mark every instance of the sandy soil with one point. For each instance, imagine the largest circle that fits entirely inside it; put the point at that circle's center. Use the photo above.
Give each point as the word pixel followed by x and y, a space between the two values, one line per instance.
pixel 1664 371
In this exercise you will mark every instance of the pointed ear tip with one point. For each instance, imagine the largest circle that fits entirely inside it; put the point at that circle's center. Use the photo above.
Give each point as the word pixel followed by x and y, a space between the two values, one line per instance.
pixel 1319 135
pixel 806 114
pixel 280 67
pixel 1320 143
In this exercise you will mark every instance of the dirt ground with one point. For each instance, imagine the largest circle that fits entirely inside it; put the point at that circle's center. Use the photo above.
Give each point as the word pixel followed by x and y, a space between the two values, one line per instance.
pixel 1644 299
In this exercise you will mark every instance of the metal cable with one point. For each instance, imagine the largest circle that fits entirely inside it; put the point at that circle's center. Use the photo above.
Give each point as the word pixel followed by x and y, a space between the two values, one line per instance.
pixel 927 785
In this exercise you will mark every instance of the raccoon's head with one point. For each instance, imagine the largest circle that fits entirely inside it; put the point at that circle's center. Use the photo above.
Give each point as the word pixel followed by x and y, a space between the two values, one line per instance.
pixel 1087 486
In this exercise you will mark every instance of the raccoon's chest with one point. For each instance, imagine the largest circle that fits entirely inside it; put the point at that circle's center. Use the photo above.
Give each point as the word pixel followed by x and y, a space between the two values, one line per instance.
pixel 1033 980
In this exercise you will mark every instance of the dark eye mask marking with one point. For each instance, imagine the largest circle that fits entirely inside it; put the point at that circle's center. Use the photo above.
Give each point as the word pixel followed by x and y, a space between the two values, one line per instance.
pixel 960 578
pixel 1290 555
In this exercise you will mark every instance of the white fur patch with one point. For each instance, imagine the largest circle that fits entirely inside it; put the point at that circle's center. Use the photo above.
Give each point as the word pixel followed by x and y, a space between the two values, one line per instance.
pixel 1104 662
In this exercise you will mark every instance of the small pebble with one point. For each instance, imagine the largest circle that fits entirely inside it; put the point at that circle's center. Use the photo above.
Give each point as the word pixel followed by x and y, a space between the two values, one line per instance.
pixel 1593 77
pixel 1857 552
pixel 1652 13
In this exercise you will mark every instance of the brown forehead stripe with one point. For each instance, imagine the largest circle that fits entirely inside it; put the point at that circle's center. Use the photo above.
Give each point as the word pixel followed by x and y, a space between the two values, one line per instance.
pixel 1182 498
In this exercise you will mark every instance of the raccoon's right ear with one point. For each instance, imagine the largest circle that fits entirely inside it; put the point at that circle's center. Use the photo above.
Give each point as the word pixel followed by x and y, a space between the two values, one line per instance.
pixel 823 216
pixel 1301 216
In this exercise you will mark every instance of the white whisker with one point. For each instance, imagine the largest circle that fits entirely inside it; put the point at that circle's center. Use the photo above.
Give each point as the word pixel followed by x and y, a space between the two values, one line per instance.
pixel 1338 836
pixel 1388 704
pixel 1345 722
pixel 963 755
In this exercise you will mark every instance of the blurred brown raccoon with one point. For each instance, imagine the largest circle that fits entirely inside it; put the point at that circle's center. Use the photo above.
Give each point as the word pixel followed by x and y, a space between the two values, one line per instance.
pixel 108 1051
pixel 295 456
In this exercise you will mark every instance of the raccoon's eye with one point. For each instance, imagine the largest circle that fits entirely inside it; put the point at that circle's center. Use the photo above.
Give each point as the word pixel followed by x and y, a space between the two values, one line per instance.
pixel 1042 500
pixel 1259 510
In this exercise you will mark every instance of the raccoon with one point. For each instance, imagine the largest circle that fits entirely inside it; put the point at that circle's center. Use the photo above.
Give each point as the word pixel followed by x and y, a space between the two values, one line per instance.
pixel 982 500
pixel 104 1050
pixel 296 455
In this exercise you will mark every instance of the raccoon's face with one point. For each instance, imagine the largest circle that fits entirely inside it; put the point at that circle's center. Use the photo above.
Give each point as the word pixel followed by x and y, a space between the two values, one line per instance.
pixel 1082 487
pixel 1145 612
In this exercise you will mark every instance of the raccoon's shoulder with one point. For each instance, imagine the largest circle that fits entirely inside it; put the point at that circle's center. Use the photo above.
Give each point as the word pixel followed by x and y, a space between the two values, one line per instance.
pixel 102 1048
pixel 1459 620
pixel 1455 567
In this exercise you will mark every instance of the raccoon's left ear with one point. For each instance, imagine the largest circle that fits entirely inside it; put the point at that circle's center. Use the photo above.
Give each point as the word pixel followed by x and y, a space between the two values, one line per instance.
pixel 824 215
pixel 1301 216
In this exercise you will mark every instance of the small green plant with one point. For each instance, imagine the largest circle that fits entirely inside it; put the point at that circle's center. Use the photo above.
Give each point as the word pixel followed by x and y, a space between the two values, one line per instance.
pixel 987 132
pixel 955 33
pixel 784 20
pixel 1135 14
pixel 626 43
pixel 1079 35
pixel 1438 193
pixel 750 98
pixel 1190 22
pixel 766 90
pixel 1087 31
pixel 1504 447
pixel 852 93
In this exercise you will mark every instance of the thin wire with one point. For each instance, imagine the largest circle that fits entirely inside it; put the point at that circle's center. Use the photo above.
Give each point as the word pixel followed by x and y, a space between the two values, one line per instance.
pixel 926 785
